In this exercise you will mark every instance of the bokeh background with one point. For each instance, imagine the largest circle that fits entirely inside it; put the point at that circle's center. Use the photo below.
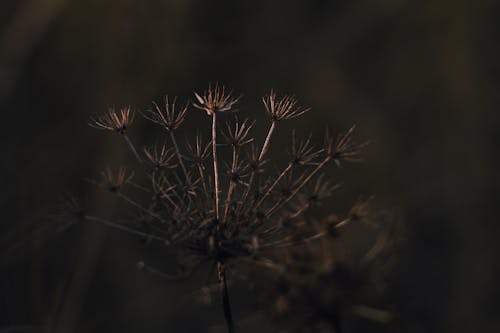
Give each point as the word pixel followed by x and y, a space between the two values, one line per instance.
pixel 420 78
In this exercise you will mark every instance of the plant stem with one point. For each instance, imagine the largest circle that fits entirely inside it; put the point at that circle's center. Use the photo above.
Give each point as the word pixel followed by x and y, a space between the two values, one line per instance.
pixel 268 140
pixel 131 145
pixel 122 227
pixel 179 157
pixel 221 272
pixel 134 203
pixel 216 170
pixel 271 188
pixel 304 183
pixel 231 184
pixel 221 269
pixel 263 151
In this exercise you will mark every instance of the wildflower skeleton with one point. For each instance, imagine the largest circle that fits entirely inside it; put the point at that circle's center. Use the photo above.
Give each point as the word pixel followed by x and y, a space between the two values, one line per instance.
pixel 243 220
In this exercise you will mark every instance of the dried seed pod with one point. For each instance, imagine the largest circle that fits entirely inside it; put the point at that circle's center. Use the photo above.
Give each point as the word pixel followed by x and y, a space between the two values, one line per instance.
pixel 113 120
pixel 282 108
pixel 215 99
pixel 169 117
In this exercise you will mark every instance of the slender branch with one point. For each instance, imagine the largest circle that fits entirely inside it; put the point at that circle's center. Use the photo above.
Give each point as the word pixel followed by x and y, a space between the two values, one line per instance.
pixel 275 183
pixel 304 183
pixel 179 157
pixel 167 196
pixel 216 170
pixel 145 210
pixel 131 145
pixel 203 181
pixel 265 147
pixel 231 184
pixel 263 151
pixel 281 244
pixel 122 227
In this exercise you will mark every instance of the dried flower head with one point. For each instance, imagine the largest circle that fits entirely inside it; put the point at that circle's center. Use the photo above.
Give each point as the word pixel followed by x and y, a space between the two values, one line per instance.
pixel 198 152
pixel 282 108
pixel 215 100
pixel 319 191
pixel 170 117
pixel 255 163
pixel 239 133
pixel 160 157
pixel 113 120
pixel 114 181
pixel 302 152
pixel 343 147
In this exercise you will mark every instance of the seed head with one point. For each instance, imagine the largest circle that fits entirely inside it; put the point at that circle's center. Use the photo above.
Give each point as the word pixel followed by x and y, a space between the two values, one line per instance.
pixel 169 116
pixel 198 152
pixel 237 135
pixel 241 214
pixel 343 148
pixel 319 191
pixel 160 157
pixel 282 108
pixel 302 152
pixel 114 181
pixel 255 163
pixel 215 100
pixel 113 120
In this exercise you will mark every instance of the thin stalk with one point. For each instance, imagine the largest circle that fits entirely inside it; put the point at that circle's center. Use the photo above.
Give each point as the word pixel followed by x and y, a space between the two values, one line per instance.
pixel 263 151
pixel 299 212
pixel 169 199
pixel 203 181
pixel 281 244
pixel 268 141
pixel 304 183
pixel 131 145
pixel 271 188
pixel 179 157
pixel 231 184
pixel 216 170
pixel 221 272
pixel 145 210
pixel 122 227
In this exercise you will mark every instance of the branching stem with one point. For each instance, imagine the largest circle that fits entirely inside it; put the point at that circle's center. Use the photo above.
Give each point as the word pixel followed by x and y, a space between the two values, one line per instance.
pixel 265 147
pixel 122 227
pixel 131 145
pixel 179 157
pixel 263 152
pixel 304 183
pixel 216 170
pixel 274 184
pixel 221 272
pixel 232 183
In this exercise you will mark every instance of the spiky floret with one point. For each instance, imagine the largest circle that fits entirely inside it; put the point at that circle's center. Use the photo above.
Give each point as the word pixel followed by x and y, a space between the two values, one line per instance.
pixel 215 99
pixel 169 116
pixel 160 156
pixel 113 120
pixel 284 107
pixel 343 146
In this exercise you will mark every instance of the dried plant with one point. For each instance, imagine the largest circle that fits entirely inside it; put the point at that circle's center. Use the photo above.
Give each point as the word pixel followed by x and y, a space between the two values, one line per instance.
pixel 238 222
pixel 320 282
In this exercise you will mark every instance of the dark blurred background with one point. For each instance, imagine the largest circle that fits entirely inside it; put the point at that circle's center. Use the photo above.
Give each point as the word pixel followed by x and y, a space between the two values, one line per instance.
pixel 420 78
